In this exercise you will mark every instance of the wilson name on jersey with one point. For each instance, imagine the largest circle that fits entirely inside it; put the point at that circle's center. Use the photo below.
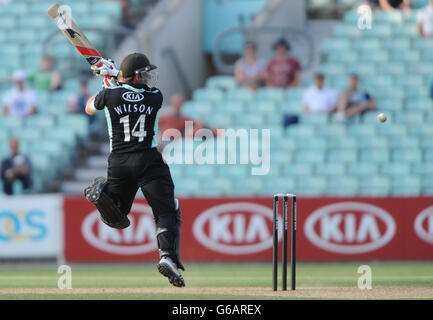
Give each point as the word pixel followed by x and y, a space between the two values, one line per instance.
pixel 132 113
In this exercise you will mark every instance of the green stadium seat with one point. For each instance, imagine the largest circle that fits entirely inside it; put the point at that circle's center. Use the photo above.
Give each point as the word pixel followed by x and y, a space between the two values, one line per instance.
pixel 388 17
pixel 331 69
pixel 79 123
pixel 270 94
pixel 208 95
pixel 418 104
pixel 378 31
pixel 309 156
pixel 396 168
pixel 363 169
pixel 7 21
pixel 409 117
pixel 15 8
pixel 297 169
pixel 294 107
pixel 406 155
pixel 421 130
pixel 394 130
pixel 264 106
pixel 375 155
pixel 351 17
pixel 405 56
pixel 343 143
pixel 425 168
pixel 202 171
pixel 342 186
pixel 347 31
pixel 342 156
pixel 423 44
pixel 40 121
pixel 426 142
pixel 367 44
pixel 12 123
pixel 197 109
pixel 294 94
pixel 362 130
pixel 298 131
pixel 314 119
pixel 233 171
pixel 406 185
pixel 425 68
pixel 362 69
pixel 281 157
pixel 244 95
pixel 395 69
pixel 332 130
pixel 375 186
pixel 330 169
pixel 282 143
pixel 330 45
pixel 409 81
pixel 396 44
pixel 404 142
pixel 222 82
pixel 312 143
pixel 276 185
pixel 428 156
pixel 405 30
pixel 310 185
pixel 273 120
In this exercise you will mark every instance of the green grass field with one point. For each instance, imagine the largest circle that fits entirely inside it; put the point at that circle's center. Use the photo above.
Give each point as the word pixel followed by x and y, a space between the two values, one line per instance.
pixel 218 281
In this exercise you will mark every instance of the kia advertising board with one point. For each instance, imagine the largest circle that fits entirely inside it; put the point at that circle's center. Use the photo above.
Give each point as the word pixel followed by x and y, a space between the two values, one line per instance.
pixel 240 229
pixel 30 226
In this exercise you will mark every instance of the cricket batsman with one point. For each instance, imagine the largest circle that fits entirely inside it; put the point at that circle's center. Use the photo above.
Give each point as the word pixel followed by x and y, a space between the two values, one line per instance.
pixel 131 104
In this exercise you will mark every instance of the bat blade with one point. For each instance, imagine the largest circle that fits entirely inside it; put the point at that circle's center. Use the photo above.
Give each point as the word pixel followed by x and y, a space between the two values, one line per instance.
pixel 74 34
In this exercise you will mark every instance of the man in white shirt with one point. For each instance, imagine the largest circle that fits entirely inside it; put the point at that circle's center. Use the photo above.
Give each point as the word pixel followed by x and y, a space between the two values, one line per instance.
pixel 20 101
pixel 319 98
pixel 424 21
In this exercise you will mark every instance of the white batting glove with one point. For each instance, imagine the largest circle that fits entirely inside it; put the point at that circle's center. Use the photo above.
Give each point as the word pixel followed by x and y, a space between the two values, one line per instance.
pixel 105 68
pixel 110 82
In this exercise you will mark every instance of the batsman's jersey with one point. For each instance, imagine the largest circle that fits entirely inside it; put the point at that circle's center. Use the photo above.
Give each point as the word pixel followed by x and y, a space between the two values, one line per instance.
pixel 132 113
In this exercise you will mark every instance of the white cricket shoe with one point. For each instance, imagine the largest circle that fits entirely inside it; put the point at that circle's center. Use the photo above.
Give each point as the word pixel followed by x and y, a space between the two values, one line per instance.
pixel 168 269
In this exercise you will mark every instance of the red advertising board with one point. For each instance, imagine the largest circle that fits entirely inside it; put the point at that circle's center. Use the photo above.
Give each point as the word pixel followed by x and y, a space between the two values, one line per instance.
pixel 240 229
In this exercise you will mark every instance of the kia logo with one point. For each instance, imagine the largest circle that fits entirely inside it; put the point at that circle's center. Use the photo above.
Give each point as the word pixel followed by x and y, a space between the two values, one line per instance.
pixel 424 225
pixel 350 227
pixel 138 238
pixel 235 228
pixel 132 96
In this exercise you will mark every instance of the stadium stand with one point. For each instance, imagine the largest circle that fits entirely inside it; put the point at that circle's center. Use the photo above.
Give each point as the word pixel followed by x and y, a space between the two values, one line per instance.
pixel 59 132
pixel 318 156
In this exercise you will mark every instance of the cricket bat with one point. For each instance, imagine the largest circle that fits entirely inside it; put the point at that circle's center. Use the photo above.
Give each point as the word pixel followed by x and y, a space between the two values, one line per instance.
pixel 74 34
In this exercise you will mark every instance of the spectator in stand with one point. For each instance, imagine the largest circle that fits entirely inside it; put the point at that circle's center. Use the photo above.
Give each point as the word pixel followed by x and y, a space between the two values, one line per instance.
pixel 424 21
pixel 389 5
pixel 354 101
pixel 319 98
pixel 249 70
pixel 126 12
pixel 20 101
pixel 17 167
pixel 173 119
pixel 77 104
pixel 283 71
pixel 46 78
